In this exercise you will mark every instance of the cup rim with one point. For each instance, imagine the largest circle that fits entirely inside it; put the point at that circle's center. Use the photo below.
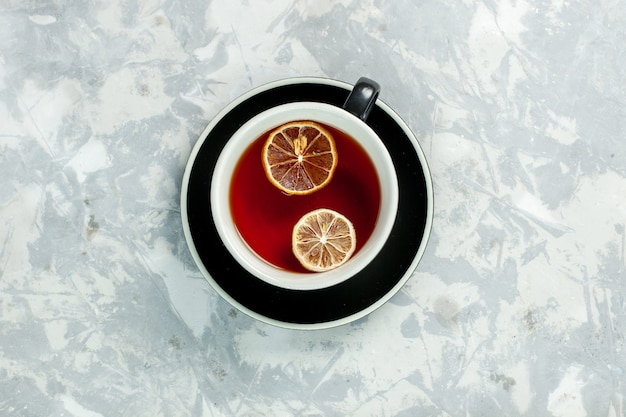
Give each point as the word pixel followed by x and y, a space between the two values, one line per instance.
pixel 328 114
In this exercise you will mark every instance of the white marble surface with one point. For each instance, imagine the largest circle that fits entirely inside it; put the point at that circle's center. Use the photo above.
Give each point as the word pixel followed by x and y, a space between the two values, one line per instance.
pixel 518 307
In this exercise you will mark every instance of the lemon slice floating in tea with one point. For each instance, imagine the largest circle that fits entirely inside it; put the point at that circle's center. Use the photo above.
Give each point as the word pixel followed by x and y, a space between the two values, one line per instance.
pixel 323 239
pixel 299 157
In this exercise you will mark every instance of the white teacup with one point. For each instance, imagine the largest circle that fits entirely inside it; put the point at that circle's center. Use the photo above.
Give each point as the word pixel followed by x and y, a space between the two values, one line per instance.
pixel 330 115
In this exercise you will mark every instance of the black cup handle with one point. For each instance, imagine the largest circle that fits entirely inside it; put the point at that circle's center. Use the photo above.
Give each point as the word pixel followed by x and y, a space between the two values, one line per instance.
pixel 362 98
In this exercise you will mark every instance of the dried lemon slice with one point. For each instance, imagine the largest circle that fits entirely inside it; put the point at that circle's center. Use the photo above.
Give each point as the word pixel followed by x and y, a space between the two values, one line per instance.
pixel 299 157
pixel 323 240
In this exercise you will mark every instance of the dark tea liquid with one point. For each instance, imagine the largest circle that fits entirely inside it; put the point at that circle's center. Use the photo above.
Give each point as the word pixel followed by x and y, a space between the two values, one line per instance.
pixel 265 216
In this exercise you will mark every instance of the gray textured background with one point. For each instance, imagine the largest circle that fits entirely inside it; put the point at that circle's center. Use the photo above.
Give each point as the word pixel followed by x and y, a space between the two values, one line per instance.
pixel 517 308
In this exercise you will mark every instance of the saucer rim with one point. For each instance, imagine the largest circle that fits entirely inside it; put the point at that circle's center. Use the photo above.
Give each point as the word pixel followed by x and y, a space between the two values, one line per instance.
pixel 408 270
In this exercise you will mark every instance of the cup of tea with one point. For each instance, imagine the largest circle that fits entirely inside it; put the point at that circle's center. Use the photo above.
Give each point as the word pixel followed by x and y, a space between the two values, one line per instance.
pixel 249 220
pixel 255 217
